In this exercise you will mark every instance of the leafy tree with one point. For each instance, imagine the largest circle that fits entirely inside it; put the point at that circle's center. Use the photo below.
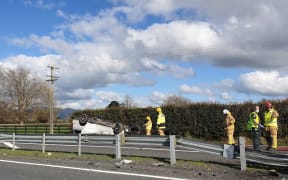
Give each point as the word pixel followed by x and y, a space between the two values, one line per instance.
pixel 114 104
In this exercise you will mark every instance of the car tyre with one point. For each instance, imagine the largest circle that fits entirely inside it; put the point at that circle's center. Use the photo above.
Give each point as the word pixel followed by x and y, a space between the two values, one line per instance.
pixel 83 119
pixel 117 129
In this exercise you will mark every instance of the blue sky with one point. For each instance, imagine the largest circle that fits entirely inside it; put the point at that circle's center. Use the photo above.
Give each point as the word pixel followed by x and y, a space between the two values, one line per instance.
pixel 221 51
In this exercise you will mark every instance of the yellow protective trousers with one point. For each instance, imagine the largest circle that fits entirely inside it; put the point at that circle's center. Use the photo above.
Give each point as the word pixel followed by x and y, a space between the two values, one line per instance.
pixel 271 136
pixel 148 131
pixel 161 132
pixel 230 135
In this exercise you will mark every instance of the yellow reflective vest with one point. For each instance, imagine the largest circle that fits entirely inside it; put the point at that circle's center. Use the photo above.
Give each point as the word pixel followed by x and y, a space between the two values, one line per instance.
pixel 161 121
pixel 270 118
pixel 251 124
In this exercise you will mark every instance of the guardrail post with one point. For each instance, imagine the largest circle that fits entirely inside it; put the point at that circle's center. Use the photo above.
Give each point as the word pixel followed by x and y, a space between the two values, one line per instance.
pixel 43 143
pixel 13 142
pixel 118 146
pixel 242 153
pixel 79 144
pixel 172 139
pixel 122 138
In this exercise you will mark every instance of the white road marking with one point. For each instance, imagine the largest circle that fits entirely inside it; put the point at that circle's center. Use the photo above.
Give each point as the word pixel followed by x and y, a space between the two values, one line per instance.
pixel 92 170
pixel 10 145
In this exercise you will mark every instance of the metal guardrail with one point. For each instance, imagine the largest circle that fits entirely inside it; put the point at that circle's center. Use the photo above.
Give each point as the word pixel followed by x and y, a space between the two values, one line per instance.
pixel 150 141
pixel 269 158
pixel 209 148
pixel 147 140
pixel 261 157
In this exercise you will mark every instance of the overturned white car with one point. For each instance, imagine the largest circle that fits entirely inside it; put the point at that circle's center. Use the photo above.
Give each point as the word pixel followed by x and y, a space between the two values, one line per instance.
pixel 93 125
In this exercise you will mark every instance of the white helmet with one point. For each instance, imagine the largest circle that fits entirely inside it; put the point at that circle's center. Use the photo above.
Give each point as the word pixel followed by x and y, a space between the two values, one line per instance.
pixel 225 111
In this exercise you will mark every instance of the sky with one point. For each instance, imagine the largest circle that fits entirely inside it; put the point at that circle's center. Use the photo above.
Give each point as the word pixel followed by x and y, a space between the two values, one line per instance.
pixel 218 51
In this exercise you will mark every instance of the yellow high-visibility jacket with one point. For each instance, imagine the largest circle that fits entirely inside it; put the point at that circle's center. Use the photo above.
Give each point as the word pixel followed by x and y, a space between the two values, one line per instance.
pixel 251 124
pixel 270 118
pixel 161 121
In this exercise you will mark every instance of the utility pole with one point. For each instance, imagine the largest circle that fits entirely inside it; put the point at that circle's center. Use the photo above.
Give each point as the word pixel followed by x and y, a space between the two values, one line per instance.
pixel 51 79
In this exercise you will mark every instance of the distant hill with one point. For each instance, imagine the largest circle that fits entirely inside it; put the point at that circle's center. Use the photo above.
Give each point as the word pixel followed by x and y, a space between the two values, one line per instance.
pixel 65 113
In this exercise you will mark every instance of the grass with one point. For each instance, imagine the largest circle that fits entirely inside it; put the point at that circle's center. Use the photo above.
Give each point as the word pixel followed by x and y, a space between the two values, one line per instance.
pixel 196 163
pixel 4 152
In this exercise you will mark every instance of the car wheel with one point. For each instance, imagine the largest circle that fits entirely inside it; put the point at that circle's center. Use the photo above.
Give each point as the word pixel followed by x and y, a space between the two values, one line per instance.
pixel 117 129
pixel 83 119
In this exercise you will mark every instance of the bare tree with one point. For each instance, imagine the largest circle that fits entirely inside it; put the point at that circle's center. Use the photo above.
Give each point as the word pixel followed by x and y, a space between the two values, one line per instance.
pixel 128 102
pixel 175 100
pixel 20 89
pixel 6 115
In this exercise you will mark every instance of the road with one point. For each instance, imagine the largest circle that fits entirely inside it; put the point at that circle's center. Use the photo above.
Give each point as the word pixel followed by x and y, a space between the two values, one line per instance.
pixel 66 170
pixel 143 151
pixel 27 170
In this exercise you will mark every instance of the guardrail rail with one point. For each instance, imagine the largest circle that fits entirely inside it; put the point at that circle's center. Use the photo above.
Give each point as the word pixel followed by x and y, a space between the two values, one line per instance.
pixel 170 142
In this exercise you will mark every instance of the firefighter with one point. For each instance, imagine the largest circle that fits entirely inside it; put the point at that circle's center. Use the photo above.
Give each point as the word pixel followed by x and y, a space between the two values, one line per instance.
pixel 255 127
pixel 161 122
pixel 148 125
pixel 271 127
pixel 229 126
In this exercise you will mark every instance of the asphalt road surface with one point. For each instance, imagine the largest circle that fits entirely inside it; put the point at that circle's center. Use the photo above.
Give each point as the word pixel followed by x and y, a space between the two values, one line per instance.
pixel 11 169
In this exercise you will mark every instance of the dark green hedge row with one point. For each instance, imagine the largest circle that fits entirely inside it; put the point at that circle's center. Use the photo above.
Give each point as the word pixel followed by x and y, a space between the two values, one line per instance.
pixel 200 120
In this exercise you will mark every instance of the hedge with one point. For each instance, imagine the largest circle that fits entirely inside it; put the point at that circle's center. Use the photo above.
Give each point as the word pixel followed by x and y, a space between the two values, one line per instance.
pixel 199 120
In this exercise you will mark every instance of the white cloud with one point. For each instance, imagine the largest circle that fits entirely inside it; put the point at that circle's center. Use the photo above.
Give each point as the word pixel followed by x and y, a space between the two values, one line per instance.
pixel 41 4
pixel 172 39
pixel 108 96
pixel 163 69
pixel 158 97
pixel 105 50
pixel 224 84
pixel 187 89
pixel 90 99
pixel 226 96
pixel 80 94
pixel 36 64
pixel 196 90
pixel 265 83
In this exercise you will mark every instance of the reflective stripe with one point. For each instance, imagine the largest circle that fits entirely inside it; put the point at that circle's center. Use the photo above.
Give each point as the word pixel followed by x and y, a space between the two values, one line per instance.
pixel 269 120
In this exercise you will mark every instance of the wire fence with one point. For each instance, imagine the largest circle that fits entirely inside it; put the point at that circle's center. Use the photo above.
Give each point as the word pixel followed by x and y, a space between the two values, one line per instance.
pixel 39 128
